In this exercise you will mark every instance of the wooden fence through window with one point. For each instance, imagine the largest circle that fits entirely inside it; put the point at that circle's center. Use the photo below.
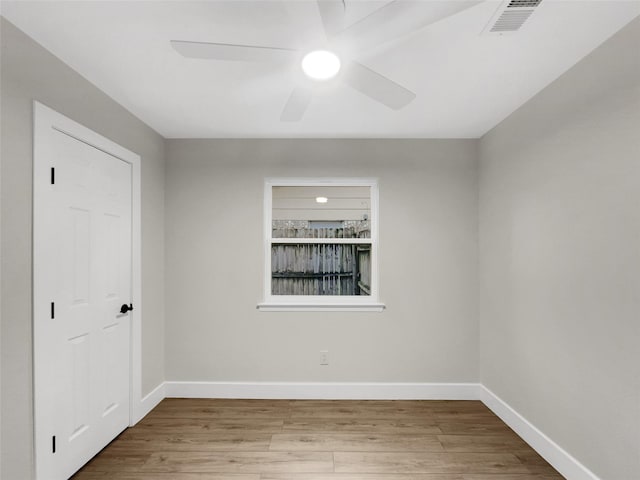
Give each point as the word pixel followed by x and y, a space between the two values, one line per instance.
pixel 320 269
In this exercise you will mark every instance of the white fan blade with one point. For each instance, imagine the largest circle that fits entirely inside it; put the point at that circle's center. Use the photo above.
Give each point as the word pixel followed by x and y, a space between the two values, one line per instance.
pixel 377 86
pixel 332 15
pixel 296 105
pixel 398 19
pixel 232 52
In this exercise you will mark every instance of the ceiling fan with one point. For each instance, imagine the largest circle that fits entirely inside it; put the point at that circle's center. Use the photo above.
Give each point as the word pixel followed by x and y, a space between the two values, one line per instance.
pixel 333 55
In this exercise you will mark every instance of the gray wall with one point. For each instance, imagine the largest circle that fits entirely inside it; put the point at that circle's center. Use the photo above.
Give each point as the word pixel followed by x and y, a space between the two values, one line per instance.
pixel 214 255
pixel 29 72
pixel 560 259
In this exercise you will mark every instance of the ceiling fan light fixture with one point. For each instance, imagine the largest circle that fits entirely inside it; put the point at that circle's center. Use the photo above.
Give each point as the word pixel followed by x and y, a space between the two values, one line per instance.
pixel 321 64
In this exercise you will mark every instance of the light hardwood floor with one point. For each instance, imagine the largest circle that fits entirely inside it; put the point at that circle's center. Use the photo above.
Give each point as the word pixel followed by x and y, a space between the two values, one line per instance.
pixel 201 439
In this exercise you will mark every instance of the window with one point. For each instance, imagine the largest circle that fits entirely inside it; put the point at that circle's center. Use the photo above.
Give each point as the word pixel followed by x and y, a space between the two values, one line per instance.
pixel 321 244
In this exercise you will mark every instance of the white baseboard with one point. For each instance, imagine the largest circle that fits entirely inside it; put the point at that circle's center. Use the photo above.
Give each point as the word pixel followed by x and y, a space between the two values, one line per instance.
pixel 324 391
pixel 553 453
pixel 149 402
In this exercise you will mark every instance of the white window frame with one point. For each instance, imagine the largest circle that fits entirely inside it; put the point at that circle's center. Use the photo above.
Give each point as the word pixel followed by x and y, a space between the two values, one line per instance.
pixel 321 302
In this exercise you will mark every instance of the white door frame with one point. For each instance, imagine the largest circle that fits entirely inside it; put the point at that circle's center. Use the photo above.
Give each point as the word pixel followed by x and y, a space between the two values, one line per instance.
pixel 44 120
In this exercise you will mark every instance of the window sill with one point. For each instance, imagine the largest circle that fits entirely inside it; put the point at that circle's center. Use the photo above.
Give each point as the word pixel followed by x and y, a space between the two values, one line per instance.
pixel 321 307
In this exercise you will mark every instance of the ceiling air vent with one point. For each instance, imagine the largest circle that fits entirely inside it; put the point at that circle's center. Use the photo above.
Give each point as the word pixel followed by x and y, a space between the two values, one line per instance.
pixel 523 3
pixel 510 16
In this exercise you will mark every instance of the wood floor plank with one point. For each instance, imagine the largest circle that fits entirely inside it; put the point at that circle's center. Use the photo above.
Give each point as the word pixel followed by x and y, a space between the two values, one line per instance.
pixel 360 425
pixel 209 412
pixel 224 402
pixel 197 425
pixel 451 427
pixel 466 417
pixel 178 442
pixel 118 462
pixel 239 462
pixel 166 476
pixel 482 443
pixel 360 476
pixel 400 476
pixel 455 406
pixel 360 411
pixel 534 462
pixel 350 442
pixel 431 405
pixel 409 463
pixel 513 476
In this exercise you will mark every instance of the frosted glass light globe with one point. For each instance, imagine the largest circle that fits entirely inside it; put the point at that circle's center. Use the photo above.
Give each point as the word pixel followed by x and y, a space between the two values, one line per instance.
pixel 321 64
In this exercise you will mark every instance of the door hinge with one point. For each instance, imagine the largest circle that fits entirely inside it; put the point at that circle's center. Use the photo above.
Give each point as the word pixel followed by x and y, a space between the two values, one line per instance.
pixel 53 310
pixel 53 176
pixel 53 444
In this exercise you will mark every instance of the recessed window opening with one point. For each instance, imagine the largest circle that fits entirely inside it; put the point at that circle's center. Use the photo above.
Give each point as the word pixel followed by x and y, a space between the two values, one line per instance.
pixel 321 244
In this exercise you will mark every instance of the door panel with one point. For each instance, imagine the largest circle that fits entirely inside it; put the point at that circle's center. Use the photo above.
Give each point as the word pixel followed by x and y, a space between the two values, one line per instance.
pixel 80 254
pixel 82 355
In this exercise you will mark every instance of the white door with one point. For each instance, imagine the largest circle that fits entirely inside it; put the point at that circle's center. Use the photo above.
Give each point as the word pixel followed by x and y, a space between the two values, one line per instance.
pixel 82 262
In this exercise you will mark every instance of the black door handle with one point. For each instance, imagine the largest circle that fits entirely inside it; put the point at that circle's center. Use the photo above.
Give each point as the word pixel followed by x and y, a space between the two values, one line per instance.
pixel 126 308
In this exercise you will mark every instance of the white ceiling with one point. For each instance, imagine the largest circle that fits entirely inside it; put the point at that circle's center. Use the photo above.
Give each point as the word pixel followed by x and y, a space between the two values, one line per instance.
pixel 465 82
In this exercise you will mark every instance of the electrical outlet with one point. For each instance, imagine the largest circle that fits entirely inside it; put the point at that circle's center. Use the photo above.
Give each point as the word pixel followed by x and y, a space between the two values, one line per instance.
pixel 324 357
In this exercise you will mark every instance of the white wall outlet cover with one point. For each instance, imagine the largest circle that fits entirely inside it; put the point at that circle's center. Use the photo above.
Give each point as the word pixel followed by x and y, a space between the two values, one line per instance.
pixel 324 357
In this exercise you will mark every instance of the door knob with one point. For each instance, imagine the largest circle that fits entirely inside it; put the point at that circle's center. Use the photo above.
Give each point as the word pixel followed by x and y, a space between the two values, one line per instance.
pixel 126 308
